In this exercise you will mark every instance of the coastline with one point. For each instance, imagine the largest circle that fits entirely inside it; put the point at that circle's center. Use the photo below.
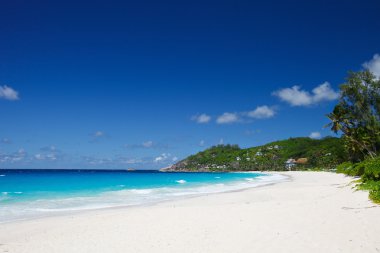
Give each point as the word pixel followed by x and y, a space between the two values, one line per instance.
pixel 79 212
pixel 311 212
pixel 134 197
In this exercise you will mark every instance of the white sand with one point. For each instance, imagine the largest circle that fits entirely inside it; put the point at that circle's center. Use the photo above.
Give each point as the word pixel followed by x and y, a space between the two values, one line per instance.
pixel 315 212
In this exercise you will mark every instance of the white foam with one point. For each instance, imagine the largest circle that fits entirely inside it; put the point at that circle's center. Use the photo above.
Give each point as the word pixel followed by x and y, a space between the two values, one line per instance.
pixel 141 191
pixel 4 196
pixel 124 197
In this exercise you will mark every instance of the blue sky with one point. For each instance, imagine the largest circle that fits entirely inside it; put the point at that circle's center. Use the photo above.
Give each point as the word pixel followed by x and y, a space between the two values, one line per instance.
pixel 138 84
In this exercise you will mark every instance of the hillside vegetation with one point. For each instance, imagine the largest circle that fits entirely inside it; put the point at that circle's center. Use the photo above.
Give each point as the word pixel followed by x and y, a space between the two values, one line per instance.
pixel 326 153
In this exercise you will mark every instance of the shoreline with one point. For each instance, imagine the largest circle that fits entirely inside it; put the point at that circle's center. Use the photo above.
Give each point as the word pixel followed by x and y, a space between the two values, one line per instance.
pixel 53 214
pixel 312 212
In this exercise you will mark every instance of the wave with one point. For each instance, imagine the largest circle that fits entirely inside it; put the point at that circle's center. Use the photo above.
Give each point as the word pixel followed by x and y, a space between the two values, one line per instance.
pixel 123 197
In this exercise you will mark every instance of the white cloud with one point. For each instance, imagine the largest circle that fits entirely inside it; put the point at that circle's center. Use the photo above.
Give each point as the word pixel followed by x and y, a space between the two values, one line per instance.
pixel 158 159
pixel 115 161
pixel 47 157
pixel 165 158
pixel 96 161
pixel 201 143
pixel 161 157
pixel 262 112
pixel 315 135
pixel 8 93
pixel 147 144
pixel 373 65
pixel 201 119
pixel 39 156
pixel 221 141
pixel 324 92
pixel 294 96
pixel 124 160
pixel 51 148
pixel 297 97
pixel 18 156
pixel 49 153
pixel 98 134
pixel 5 141
pixel 227 118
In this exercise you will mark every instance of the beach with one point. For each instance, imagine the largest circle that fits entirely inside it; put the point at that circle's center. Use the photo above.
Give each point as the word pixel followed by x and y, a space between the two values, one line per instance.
pixel 310 212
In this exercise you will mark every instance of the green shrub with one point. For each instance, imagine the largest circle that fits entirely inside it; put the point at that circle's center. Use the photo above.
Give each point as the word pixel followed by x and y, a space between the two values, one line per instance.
pixel 344 167
pixel 367 168
pixel 374 195
pixel 374 189
pixel 350 169
pixel 372 169
pixel 358 169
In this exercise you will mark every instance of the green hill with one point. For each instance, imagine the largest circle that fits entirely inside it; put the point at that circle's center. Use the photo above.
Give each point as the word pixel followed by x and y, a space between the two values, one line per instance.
pixel 306 153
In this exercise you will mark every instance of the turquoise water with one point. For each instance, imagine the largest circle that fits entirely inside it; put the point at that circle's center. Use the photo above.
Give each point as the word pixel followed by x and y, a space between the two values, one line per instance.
pixel 34 193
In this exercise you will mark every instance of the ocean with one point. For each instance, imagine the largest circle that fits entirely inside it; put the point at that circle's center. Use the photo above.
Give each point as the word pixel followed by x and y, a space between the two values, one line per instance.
pixel 26 194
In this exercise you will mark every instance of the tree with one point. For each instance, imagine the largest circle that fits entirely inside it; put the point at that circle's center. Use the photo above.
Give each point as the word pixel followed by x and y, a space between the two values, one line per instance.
pixel 357 114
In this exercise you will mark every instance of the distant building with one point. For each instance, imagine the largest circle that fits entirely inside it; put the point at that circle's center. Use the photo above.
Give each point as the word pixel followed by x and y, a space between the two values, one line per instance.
pixel 238 158
pixel 290 163
pixel 259 153
pixel 302 161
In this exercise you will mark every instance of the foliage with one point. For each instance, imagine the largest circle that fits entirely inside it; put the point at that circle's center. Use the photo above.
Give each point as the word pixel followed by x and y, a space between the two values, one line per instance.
pixel 345 168
pixel 369 170
pixel 374 189
pixel 324 154
pixel 357 115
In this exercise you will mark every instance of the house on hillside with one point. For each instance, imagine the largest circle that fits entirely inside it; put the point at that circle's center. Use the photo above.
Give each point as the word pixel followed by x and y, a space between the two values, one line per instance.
pixel 290 163
pixel 302 161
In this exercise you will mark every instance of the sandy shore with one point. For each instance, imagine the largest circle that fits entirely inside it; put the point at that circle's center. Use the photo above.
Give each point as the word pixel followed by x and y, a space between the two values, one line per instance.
pixel 315 212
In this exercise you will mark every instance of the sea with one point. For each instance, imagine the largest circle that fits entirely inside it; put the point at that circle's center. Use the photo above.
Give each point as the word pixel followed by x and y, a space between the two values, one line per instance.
pixel 28 194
